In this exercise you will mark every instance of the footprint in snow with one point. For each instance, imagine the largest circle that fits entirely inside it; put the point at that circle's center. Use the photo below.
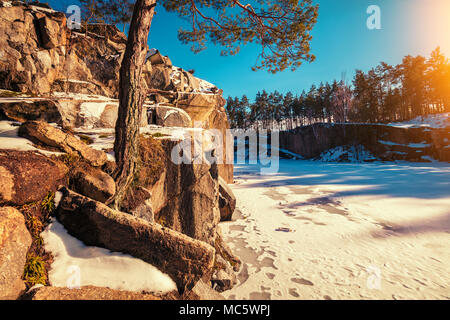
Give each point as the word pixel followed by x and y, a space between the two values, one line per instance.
pixel 302 281
pixel 271 276
pixel 293 292
pixel 282 229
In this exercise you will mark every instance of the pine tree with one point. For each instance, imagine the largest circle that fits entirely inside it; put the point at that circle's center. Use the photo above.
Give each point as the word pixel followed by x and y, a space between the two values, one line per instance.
pixel 282 29
pixel 230 108
pixel 341 102
pixel 438 76
pixel 288 110
pixel 131 99
pixel 241 114
pixel 414 84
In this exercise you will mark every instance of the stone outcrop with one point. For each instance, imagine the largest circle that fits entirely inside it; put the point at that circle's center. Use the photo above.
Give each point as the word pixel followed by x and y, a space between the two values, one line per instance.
pixel 387 143
pixel 93 183
pixel 184 259
pixel 202 101
pixel 41 55
pixel 27 177
pixel 15 241
pixel 69 112
pixel 87 293
pixel 227 201
pixel 42 133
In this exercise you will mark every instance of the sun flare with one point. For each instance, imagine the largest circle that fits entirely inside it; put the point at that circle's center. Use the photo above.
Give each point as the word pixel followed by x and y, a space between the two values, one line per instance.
pixel 432 22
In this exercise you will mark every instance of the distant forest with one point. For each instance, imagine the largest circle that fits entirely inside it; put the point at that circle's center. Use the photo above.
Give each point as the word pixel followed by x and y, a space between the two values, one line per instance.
pixel 416 87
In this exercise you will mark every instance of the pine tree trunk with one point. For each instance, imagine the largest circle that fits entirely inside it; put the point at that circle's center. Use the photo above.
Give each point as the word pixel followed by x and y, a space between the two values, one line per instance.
pixel 131 98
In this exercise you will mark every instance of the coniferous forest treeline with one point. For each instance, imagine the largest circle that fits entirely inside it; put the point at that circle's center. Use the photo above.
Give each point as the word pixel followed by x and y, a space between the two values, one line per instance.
pixel 416 87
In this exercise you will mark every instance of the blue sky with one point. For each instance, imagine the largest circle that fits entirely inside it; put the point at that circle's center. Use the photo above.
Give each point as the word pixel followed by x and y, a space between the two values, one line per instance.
pixel 341 42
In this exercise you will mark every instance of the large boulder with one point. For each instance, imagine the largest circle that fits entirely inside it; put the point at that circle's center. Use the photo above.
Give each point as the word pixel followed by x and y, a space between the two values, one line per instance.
pixel 227 201
pixel 224 278
pixel 167 116
pixel 166 79
pixel 184 259
pixel 138 203
pixel 161 78
pixel 185 197
pixel 52 30
pixel 23 109
pixel 15 241
pixel 43 133
pixel 203 291
pixel 200 106
pixel 85 293
pixel 92 183
pixel 28 176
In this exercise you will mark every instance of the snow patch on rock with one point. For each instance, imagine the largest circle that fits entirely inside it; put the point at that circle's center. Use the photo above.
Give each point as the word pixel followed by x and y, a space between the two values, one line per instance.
pixel 353 154
pixel 9 139
pixel 77 264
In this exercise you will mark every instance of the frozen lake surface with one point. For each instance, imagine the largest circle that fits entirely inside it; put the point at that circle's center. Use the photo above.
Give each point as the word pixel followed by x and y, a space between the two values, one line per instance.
pixel 342 231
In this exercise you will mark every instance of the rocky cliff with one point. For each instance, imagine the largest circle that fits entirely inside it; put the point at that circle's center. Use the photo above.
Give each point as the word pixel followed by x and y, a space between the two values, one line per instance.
pixel 58 108
pixel 71 78
pixel 386 143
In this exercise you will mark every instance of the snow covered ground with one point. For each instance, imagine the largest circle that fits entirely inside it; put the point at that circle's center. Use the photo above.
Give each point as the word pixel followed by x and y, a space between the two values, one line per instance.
pixel 342 231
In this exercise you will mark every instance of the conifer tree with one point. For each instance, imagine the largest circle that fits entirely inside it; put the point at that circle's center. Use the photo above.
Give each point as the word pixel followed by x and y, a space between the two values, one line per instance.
pixel 281 28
